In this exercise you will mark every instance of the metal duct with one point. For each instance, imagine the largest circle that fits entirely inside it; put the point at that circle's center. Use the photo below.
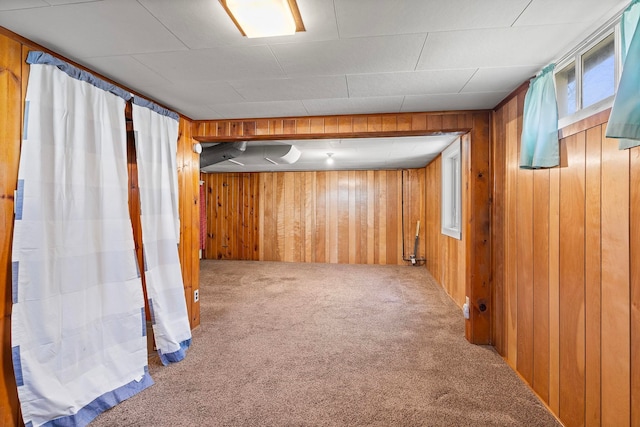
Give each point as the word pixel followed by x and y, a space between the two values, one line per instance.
pixel 221 152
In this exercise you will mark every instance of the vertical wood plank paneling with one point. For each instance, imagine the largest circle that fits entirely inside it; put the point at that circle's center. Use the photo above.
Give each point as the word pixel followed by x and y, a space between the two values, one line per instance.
pixel 524 244
pixel 354 250
pixel 393 216
pixel 541 283
pixel 343 233
pixel 321 216
pixel 289 218
pixel 572 294
pixel 554 288
pixel 310 217
pixel 616 350
pixel 371 218
pixel 268 216
pixel 510 288
pixel 280 237
pixel 333 215
pixel 634 254
pixel 362 208
pixel 11 85
pixel 592 276
pixel 382 217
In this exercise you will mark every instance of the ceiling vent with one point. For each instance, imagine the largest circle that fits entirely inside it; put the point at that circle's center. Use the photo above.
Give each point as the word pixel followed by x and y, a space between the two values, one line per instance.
pixel 252 155
pixel 221 152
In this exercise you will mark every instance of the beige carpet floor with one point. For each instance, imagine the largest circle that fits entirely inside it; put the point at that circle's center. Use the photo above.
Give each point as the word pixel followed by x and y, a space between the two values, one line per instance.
pixel 283 344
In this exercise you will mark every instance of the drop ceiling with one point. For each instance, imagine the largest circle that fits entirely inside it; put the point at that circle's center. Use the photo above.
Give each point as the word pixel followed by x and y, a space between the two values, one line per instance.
pixel 356 57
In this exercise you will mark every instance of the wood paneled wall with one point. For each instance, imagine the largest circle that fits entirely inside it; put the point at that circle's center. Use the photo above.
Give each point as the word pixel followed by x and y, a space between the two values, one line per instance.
pixel 475 128
pixel 232 216
pixel 12 89
pixel 13 82
pixel 188 164
pixel 349 217
pixel 445 255
pixel 564 271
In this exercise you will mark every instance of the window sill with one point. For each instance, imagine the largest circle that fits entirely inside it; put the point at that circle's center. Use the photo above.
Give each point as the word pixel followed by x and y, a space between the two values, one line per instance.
pixel 452 232
pixel 575 123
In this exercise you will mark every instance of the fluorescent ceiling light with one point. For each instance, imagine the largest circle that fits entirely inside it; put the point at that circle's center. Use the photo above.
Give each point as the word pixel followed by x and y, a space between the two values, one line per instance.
pixel 264 18
pixel 236 162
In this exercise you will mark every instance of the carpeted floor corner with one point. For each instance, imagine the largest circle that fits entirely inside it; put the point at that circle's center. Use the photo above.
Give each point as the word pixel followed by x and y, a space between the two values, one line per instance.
pixel 286 344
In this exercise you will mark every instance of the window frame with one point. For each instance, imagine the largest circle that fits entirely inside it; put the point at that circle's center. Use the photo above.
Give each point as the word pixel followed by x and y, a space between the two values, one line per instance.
pixel 576 58
pixel 451 198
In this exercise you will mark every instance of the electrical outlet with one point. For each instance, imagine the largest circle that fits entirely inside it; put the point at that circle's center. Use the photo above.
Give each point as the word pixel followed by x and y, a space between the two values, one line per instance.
pixel 196 295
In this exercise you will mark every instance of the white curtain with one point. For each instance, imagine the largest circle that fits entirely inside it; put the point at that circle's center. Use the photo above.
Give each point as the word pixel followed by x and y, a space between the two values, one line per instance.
pixel 156 134
pixel 78 321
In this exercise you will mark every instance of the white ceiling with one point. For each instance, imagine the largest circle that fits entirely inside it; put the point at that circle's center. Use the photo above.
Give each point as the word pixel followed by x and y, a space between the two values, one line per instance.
pixel 356 57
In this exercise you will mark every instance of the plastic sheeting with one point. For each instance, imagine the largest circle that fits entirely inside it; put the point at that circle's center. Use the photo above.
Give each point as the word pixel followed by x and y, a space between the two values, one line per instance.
pixel 156 136
pixel 78 326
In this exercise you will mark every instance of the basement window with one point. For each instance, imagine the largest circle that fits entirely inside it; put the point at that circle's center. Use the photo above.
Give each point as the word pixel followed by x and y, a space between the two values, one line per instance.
pixel 451 200
pixel 586 81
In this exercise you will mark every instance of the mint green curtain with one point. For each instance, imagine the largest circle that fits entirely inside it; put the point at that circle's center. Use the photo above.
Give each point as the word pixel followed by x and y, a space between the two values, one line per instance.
pixel 539 148
pixel 624 122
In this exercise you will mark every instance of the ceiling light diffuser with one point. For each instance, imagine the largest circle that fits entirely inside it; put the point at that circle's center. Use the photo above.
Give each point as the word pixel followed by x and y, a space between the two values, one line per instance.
pixel 264 18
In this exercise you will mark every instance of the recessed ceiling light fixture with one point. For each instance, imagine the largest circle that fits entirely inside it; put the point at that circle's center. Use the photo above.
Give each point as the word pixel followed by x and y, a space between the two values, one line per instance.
pixel 329 158
pixel 236 162
pixel 264 18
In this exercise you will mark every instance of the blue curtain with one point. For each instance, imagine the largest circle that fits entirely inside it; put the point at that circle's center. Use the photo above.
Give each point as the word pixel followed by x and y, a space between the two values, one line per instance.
pixel 624 122
pixel 539 148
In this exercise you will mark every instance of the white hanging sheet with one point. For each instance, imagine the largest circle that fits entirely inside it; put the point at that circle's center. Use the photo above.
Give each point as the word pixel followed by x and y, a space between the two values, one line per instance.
pixel 78 324
pixel 156 134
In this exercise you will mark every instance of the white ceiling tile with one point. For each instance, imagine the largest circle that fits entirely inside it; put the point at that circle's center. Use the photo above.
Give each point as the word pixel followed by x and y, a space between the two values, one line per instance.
pixel 408 83
pixel 21 4
pixel 103 28
pixel 331 106
pixel 546 12
pixel 198 93
pixel 359 18
pixel 505 47
pixel 292 89
pixel 351 56
pixel 60 2
pixel 249 110
pixel 204 23
pixel 221 63
pixel 196 112
pixel 499 79
pixel 456 101
pixel 125 70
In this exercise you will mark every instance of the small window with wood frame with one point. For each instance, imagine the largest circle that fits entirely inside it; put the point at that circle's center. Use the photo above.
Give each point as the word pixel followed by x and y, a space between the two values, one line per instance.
pixel 451 200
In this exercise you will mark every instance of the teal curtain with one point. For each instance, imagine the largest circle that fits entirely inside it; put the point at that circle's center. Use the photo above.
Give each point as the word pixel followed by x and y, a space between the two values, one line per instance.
pixel 624 122
pixel 539 148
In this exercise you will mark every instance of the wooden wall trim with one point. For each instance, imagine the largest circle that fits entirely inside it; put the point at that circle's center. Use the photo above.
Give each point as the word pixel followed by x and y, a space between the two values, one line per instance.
pixel 345 126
